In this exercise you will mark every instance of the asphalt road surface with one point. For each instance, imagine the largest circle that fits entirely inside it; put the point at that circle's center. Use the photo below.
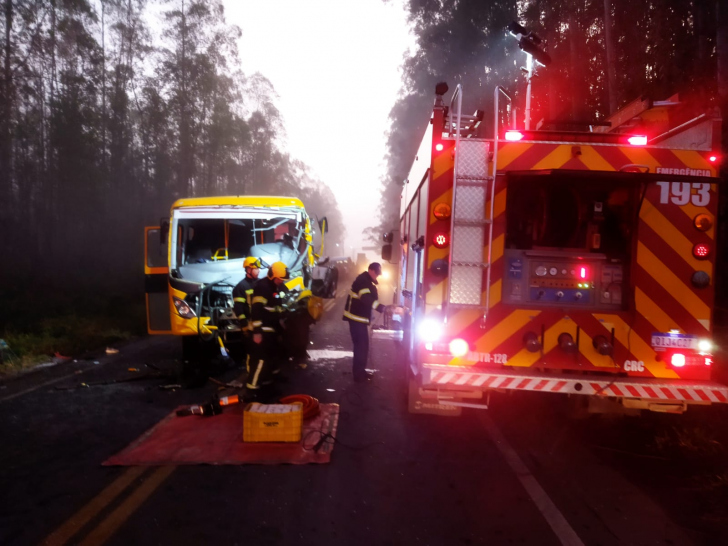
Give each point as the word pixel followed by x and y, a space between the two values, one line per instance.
pixel 522 472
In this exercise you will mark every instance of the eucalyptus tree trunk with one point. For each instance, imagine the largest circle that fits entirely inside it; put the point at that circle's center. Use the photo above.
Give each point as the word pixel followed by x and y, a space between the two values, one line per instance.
pixel 611 69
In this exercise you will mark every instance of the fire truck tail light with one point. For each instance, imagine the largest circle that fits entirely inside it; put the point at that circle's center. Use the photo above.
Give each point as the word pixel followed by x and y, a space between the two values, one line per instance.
pixel 459 347
pixel 602 345
pixel 439 146
pixel 708 361
pixel 566 342
pixel 700 279
pixel 637 140
pixel 705 346
pixel 530 340
pixel 701 251
pixel 514 136
pixel 702 222
pixel 430 331
pixel 677 360
pixel 441 240
pixel 713 158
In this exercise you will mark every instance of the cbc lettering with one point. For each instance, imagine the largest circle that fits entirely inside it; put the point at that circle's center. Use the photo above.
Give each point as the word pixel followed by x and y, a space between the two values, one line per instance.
pixel 634 366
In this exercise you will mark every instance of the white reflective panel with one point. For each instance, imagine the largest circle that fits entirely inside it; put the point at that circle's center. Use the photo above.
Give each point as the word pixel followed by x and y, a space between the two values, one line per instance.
pixel 470 203
pixel 468 242
pixel 467 284
pixel 473 158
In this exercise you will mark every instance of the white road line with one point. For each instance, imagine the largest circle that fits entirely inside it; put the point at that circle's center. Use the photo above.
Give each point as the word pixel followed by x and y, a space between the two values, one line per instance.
pixel 543 502
pixel 31 389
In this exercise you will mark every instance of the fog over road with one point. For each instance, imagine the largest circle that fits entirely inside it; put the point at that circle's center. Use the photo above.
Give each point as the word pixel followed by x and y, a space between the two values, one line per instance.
pixel 522 472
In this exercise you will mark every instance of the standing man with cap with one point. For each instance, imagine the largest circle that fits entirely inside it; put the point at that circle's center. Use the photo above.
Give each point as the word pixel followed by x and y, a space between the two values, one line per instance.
pixel 363 298
pixel 266 313
pixel 243 301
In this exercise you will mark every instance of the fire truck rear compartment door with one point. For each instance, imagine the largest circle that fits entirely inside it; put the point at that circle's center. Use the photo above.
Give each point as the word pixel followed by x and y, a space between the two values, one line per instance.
pixel 156 284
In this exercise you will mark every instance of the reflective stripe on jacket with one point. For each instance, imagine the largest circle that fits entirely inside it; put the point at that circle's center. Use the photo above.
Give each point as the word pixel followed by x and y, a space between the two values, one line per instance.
pixel 363 297
pixel 242 300
pixel 266 309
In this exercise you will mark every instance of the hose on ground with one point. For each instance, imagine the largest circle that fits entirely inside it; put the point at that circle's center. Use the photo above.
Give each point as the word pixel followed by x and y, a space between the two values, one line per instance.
pixel 310 404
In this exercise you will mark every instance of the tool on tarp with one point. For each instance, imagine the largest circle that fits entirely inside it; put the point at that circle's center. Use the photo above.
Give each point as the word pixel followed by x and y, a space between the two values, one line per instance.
pixel 214 407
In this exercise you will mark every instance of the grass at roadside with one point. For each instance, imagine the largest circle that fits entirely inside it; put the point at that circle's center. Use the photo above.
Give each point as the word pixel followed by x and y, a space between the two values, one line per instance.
pixel 36 326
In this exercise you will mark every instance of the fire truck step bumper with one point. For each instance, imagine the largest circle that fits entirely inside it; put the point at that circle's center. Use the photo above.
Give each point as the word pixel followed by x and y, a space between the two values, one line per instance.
pixel 452 377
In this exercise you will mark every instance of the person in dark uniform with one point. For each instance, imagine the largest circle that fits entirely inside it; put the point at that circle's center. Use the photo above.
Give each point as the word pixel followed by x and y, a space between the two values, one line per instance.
pixel 362 299
pixel 266 313
pixel 242 302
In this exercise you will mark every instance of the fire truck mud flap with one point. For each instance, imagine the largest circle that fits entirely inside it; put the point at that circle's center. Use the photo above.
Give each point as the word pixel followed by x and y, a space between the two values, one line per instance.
pixel 634 392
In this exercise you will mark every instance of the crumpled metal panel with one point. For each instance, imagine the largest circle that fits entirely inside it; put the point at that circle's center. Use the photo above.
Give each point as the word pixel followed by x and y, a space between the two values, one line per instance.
pixel 469 203
pixel 468 242
pixel 472 159
pixel 466 285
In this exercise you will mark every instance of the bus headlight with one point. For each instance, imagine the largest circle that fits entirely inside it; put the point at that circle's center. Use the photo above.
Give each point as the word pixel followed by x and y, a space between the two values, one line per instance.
pixel 183 309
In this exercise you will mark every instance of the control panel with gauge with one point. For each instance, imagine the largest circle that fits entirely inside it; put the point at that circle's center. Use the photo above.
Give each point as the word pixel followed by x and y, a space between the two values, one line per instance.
pixel 562 279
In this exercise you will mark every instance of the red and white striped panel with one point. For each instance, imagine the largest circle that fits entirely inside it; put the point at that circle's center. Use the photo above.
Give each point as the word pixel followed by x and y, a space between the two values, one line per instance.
pixel 628 388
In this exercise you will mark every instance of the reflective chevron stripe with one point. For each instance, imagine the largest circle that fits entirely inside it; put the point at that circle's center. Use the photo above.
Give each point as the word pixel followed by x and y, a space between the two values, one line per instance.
pixel 648 389
pixel 660 271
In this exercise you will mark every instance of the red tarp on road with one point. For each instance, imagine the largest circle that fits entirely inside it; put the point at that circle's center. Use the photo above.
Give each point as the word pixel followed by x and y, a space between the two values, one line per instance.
pixel 219 440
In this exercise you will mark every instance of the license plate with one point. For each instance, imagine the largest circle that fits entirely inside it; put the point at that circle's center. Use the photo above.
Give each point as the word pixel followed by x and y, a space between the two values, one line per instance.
pixel 674 341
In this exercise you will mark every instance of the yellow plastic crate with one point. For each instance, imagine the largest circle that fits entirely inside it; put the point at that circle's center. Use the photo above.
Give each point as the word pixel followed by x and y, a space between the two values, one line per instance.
pixel 272 422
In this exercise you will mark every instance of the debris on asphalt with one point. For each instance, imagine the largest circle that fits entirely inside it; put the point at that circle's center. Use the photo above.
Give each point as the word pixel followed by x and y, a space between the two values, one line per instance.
pixel 170 387
pixel 111 351
pixel 133 369
pixel 235 384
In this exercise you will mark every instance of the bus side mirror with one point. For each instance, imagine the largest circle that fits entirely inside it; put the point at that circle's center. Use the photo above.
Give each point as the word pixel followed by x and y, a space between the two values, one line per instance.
pixel 163 231
pixel 387 253
pixel 388 237
pixel 324 225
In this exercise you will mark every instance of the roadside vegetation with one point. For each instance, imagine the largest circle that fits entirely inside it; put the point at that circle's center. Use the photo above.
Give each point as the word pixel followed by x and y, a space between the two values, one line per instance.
pixel 683 458
pixel 39 327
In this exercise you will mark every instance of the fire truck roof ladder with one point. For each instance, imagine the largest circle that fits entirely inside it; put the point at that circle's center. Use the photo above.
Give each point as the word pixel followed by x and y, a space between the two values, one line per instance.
pixel 472 220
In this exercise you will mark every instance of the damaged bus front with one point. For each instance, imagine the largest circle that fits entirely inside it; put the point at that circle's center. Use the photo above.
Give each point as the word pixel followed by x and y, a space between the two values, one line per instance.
pixel 195 259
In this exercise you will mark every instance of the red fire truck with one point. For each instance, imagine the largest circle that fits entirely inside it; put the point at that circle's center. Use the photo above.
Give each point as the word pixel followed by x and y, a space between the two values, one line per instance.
pixel 580 263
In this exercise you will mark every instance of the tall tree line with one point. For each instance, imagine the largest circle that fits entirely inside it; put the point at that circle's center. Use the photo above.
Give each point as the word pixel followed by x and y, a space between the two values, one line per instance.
pixel 112 109
pixel 605 54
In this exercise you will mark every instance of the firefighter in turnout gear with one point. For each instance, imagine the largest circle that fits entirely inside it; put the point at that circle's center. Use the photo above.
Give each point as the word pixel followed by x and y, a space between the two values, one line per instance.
pixel 362 299
pixel 266 313
pixel 242 303
pixel 243 291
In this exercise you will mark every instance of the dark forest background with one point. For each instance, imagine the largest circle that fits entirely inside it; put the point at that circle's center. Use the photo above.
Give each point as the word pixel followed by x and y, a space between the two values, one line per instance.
pixel 110 111
pixel 606 53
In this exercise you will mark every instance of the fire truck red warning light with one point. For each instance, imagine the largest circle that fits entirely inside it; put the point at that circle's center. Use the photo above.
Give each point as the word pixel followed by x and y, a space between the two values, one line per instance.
pixel 637 140
pixel 439 146
pixel 701 251
pixel 677 360
pixel 583 272
pixel 514 136
pixel 441 240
